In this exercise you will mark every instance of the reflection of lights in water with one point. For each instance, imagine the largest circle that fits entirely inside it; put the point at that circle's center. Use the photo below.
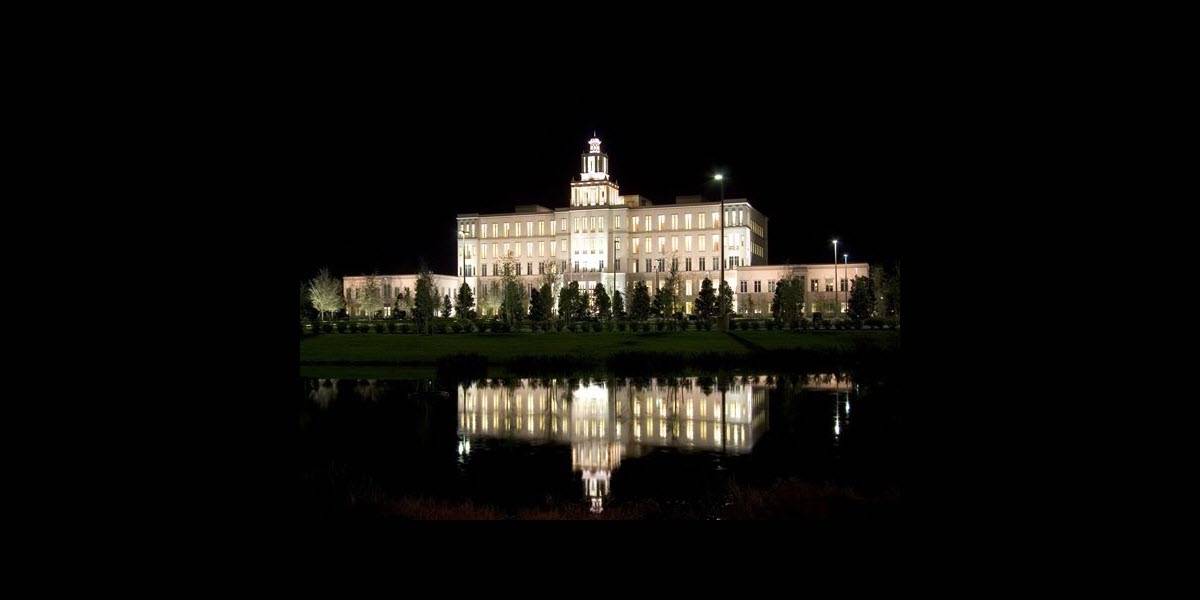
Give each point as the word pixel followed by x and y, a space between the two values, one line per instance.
pixel 603 422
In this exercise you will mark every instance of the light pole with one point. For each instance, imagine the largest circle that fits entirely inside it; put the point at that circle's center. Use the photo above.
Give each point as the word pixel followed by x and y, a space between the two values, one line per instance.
pixel 835 280
pixel 724 315
pixel 846 274
pixel 463 251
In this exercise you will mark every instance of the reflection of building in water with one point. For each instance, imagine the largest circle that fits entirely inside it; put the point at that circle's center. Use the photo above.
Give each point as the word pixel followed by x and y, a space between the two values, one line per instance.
pixel 841 387
pixel 605 423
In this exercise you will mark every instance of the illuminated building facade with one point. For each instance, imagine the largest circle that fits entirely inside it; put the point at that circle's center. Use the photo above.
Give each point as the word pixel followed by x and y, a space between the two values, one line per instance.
pixel 604 237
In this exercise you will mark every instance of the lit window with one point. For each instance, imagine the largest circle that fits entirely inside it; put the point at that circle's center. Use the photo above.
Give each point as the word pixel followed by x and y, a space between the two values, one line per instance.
pixel 662 243
pixel 634 250
pixel 662 219
pixel 542 249
pixel 687 243
pixel 715 221
pixel 674 222
pixel 687 221
pixel 674 243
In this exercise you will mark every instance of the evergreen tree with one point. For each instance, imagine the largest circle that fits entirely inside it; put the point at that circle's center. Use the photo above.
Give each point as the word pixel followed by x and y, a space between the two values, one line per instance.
pixel 583 304
pixel 567 296
pixel 603 304
pixel 425 300
pixel 658 306
pixel 464 308
pixel 446 307
pixel 618 307
pixel 547 303
pixel 706 300
pixel 370 298
pixel 724 299
pixel 535 305
pixel 862 299
pixel 639 306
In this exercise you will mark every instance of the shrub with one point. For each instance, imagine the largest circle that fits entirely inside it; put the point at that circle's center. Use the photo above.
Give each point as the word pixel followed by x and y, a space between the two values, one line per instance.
pixel 755 325
pixel 404 328
pixel 621 326
pixel 794 325
pixel 391 327
pixel 379 328
pixel 341 327
pixel 559 325
pixel 659 326
pixel 455 327
pixel 327 327
pixel 683 325
pixel 572 327
pixel 597 326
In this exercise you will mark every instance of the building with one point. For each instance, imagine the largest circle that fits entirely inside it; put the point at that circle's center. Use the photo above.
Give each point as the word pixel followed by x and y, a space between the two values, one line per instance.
pixel 603 236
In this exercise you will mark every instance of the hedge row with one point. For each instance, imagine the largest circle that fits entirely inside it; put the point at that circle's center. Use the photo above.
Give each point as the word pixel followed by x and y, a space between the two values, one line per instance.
pixel 589 326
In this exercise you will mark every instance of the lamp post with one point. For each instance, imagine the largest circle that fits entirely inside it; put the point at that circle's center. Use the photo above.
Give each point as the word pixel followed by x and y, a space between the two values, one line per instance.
pixel 835 280
pixel 463 251
pixel 724 315
pixel 846 274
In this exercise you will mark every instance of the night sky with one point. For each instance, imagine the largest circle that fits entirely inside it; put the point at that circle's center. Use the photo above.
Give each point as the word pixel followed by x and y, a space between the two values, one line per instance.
pixel 382 172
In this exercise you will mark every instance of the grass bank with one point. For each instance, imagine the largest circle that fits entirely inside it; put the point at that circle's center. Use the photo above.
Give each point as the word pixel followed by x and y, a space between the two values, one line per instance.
pixel 472 355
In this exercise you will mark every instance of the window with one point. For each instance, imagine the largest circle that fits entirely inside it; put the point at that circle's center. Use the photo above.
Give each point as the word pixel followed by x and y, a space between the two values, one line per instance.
pixel 541 228
pixel 553 247
pixel 742 286
pixel 674 243
pixel 483 251
pixel 600 223
pixel 700 221
pixel 647 265
pixel 617 265
pixel 634 250
pixel 494 230
pixel 483 230
pixel 601 263
pixel 528 248
pixel 687 243
pixel 529 228
pixel 828 284
pixel 716 222
pixel 483 270
pixel 529 268
pixel 662 243
pixel 687 264
pixel 542 249
pixel 701 263
pixel 843 284
pixel 506 230
pixel 687 221
pixel 635 264
pixel 576 266
pixel 636 221
pixel 617 222
pixel 674 264
pixel 541 268
pixel 552 227
pixel 770 285
pixel 662 220
pixel 674 222
pixel 700 243
pixel 506 249
pixel 687 287
pixel 757 286
pixel 616 244
pixel 716 241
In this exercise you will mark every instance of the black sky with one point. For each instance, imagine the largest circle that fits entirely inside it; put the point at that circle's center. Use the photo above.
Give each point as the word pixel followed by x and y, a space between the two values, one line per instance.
pixel 382 169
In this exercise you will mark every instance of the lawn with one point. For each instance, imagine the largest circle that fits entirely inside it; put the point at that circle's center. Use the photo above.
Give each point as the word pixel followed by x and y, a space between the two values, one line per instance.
pixel 500 348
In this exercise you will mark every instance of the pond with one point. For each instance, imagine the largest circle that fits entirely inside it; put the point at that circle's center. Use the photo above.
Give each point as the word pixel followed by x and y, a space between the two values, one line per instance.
pixel 802 445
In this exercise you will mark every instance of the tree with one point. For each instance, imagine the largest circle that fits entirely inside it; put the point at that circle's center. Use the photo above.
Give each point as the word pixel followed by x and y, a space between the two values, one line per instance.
pixel 788 303
pixel 603 304
pixel 639 306
pixel 425 300
pixel 862 299
pixel 706 300
pixel 370 298
pixel 512 293
pixel 618 307
pixel 325 292
pixel 446 308
pixel 464 306
pixel 583 304
pixel 546 306
pixel 724 299
pixel 659 305
pixel 892 295
pixel 405 301
pixel 670 288
pixel 567 295
pixel 879 283
pixel 535 305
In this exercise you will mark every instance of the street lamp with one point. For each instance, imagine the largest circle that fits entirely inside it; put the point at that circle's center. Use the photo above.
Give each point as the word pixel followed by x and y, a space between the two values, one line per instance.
pixel 846 274
pixel 835 280
pixel 724 316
